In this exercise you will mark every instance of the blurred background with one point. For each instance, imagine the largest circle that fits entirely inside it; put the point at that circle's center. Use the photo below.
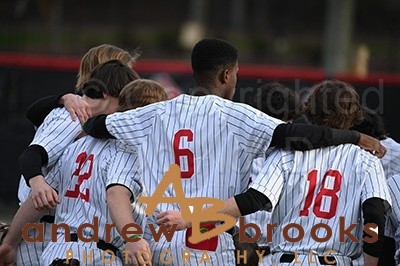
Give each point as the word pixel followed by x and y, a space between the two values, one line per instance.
pixel 295 42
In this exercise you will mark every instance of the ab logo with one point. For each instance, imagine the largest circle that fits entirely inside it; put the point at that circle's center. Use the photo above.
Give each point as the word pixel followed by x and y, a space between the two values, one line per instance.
pixel 173 176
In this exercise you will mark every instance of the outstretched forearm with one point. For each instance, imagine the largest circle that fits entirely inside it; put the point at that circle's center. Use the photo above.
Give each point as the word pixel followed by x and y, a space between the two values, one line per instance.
pixel 25 214
pixel 96 127
pixel 307 137
pixel 119 205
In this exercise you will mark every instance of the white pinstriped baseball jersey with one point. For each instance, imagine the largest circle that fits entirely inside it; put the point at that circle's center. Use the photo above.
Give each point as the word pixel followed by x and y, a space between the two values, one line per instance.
pixel 213 140
pixel 54 135
pixel 81 176
pixel 391 160
pixel 320 186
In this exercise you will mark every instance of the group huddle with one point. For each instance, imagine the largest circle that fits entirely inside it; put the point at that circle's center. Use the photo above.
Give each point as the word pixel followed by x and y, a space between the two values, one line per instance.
pixel 310 170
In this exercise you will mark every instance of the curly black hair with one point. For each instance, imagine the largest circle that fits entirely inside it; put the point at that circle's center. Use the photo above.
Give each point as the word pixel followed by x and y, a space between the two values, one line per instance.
pixel 277 100
pixel 372 125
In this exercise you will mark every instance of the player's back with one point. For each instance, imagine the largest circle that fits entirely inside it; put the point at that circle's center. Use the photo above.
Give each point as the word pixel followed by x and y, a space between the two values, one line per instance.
pixel 81 177
pixel 325 186
pixel 212 139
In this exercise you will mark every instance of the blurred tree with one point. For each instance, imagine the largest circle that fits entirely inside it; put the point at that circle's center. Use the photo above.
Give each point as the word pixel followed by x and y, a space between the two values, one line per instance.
pixel 197 11
pixel 238 15
pixel 337 36
pixel 56 19
pixel 193 29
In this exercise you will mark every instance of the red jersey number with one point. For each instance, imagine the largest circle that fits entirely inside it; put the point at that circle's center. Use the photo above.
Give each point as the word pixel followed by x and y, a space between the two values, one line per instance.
pixel 181 153
pixel 332 193
pixel 81 160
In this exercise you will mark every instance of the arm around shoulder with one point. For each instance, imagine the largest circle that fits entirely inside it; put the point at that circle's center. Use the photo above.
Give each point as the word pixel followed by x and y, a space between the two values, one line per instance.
pixel 96 127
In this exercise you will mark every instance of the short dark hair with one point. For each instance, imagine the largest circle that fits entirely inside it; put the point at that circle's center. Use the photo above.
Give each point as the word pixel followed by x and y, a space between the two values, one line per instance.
pixel 334 103
pixel 108 78
pixel 372 125
pixel 277 100
pixel 209 55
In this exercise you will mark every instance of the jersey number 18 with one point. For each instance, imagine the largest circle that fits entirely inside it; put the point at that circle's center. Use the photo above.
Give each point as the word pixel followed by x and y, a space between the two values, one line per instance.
pixel 323 192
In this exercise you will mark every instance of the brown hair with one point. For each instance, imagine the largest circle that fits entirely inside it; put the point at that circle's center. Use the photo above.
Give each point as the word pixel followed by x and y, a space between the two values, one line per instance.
pixel 334 103
pixel 101 54
pixel 141 92
pixel 108 78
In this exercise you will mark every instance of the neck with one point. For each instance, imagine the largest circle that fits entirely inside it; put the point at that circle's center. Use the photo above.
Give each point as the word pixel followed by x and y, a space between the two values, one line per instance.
pixel 202 89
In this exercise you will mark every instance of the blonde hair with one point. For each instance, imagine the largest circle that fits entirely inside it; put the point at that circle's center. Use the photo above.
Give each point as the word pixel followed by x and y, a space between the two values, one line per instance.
pixel 99 55
pixel 141 92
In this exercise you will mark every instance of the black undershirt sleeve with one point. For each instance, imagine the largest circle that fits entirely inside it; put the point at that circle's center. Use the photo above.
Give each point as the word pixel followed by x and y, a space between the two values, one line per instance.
pixel 374 212
pixel 31 162
pixel 252 201
pixel 298 136
pixel 38 111
pixel 96 127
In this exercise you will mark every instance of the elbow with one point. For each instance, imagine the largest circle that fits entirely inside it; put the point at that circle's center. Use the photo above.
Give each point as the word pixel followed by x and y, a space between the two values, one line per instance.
pixel 118 193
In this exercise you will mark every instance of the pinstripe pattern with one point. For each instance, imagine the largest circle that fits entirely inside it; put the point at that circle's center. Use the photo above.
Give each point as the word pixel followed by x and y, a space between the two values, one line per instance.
pixel 111 165
pixel 23 190
pixel 284 181
pixel 261 218
pixel 29 253
pixel 392 224
pixel 79 250
pixel 227 137
pixel 54 135
pixel 391 160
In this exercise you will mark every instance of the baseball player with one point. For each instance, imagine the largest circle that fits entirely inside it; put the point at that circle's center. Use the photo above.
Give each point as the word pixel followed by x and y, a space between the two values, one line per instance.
pixel 120 176
pixel 98 166
pixel 212 139
pixel 328 187
pixel 84 172
pixel 77 107
pixel 373 125
pixel 51 138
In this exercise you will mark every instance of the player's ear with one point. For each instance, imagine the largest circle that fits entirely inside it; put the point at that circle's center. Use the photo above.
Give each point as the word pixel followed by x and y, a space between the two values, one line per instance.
pixel 223 75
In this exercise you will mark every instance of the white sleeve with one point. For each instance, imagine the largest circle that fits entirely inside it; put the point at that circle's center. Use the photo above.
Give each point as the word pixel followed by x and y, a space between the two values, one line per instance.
pixel 252 128
pixel 394 189
pixel 375 185
pixel 56 133
pixel 53 177
pixel 270 181
pixel 133 127
pixel 124 169
pixel 391 160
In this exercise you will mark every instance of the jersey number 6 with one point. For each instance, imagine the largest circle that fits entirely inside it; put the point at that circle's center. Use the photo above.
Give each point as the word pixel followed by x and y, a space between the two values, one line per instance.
pixel 323 192
pixel 179 152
